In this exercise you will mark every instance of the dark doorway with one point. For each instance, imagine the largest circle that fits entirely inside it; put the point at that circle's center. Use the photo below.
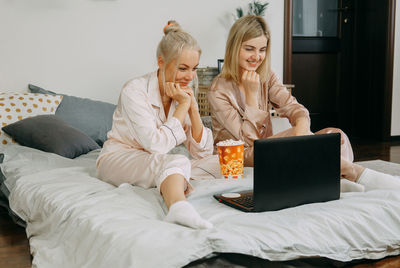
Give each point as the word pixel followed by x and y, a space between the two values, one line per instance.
pixel 339 55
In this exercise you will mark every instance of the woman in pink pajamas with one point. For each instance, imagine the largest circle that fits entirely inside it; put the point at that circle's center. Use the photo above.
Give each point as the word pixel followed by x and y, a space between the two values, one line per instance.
pixel 239 98
pixel 155 113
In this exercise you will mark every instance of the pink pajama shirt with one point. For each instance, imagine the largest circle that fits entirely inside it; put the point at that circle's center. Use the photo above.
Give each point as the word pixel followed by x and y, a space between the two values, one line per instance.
pixel 136 151
pixel 232 118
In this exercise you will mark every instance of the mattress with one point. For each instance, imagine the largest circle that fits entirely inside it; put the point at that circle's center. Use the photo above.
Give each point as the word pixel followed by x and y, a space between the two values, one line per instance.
pixel 75 220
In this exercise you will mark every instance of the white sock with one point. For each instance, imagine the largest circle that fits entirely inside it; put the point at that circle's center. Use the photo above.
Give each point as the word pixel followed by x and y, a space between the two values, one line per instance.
pixel 350 186
pixel 182 212
pixel 372 179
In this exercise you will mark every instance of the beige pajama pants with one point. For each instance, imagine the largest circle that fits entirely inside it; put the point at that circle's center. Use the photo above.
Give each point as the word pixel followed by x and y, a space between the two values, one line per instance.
pixel 141 168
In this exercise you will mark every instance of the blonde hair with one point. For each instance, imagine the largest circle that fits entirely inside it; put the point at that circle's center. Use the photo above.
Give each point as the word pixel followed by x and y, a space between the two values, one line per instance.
pixel 170 48
pixel 244 29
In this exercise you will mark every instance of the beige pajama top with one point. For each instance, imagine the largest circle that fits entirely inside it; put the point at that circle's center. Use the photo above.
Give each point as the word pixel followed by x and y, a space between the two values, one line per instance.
pixel 232 118
pixel 141 136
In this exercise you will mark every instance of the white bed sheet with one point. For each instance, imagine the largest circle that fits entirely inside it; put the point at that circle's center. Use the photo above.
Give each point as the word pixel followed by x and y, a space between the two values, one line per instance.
pixel 76 220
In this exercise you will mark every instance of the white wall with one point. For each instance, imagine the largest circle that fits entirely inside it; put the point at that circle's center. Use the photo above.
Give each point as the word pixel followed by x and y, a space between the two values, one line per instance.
pixel 91 48
pixel 396 79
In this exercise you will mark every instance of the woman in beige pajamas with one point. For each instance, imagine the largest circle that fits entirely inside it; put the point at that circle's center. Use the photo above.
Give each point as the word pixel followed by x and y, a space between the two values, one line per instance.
pixel 239 98
pixel 155 113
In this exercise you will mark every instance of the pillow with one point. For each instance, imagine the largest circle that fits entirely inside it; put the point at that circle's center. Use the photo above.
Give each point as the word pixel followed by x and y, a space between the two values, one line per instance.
pixel 3 189
pixel 180 149
pixel 17 106
pixel 2 178
pixel 51 134
pixel 207 121
pixel 94 118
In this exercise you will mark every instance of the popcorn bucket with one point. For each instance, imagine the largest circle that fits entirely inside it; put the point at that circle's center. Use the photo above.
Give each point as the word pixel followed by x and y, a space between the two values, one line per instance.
pixel 231 158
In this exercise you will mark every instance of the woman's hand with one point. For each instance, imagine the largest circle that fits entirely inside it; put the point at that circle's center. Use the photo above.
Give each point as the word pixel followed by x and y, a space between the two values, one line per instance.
pixel 193 103
pixel 251 81
pixel 175 92
pixel 251 84
pixel 197 125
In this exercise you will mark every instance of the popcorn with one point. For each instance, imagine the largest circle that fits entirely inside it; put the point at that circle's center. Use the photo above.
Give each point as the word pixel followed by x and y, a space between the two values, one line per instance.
pixel 231 158
pixel 230 142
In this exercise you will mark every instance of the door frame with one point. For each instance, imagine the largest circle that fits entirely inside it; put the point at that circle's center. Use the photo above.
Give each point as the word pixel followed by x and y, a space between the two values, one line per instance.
pixel 388 85
pixel 287 46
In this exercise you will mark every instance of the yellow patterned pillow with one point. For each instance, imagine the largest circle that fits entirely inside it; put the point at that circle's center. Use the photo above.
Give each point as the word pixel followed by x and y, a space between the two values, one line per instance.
pixel 17 106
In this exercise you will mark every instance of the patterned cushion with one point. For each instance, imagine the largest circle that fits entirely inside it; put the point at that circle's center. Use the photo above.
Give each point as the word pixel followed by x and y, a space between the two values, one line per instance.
pixel 17 106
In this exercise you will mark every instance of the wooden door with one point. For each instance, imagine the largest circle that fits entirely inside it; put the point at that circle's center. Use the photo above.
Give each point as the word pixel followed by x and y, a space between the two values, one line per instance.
pixel 339 55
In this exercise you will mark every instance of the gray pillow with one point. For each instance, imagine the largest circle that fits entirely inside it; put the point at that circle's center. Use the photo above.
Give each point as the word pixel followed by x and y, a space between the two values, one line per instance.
pixel 94 118
pixel 180 149
pixel 207 121
pixel 51 134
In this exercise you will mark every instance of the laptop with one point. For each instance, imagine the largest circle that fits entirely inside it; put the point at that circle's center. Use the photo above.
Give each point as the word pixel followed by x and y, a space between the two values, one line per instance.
pixel 291 171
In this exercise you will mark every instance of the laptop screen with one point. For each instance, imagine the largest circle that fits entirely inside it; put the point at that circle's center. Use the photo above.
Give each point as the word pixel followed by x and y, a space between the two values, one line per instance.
pixel 291 171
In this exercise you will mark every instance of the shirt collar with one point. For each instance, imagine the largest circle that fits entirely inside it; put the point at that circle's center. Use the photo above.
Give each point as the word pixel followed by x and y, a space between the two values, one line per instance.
pixel 153 90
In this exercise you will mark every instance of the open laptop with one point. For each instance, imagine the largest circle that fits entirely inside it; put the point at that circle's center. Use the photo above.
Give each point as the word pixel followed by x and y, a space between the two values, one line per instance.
pixel 291 171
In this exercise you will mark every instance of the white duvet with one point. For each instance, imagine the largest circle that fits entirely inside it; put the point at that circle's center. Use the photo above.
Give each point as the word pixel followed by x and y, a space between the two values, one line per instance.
pixel 76 220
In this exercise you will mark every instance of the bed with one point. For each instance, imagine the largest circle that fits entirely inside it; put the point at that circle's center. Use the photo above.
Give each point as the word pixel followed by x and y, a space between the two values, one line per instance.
pixel 75 220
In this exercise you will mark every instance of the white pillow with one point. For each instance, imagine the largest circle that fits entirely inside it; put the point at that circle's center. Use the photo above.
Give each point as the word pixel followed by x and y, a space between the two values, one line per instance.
pixel 16 106
pixel 279 124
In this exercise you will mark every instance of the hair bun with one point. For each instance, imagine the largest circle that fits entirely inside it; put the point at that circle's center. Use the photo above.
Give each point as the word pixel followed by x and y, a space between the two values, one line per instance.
pixel 172 26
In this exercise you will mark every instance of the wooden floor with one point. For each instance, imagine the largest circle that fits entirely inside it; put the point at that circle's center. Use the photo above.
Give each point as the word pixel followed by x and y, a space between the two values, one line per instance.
pixel 14 246
pixel 370 150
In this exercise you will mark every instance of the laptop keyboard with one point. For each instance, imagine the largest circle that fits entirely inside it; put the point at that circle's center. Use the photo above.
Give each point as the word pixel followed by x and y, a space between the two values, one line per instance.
pixel 246 201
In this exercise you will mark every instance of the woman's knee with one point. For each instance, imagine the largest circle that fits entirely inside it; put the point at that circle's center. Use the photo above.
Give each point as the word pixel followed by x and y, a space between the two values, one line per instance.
pixel 343 136
pixel 181 161
pixel 176 164
pixel 330 130
pixel 346 150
